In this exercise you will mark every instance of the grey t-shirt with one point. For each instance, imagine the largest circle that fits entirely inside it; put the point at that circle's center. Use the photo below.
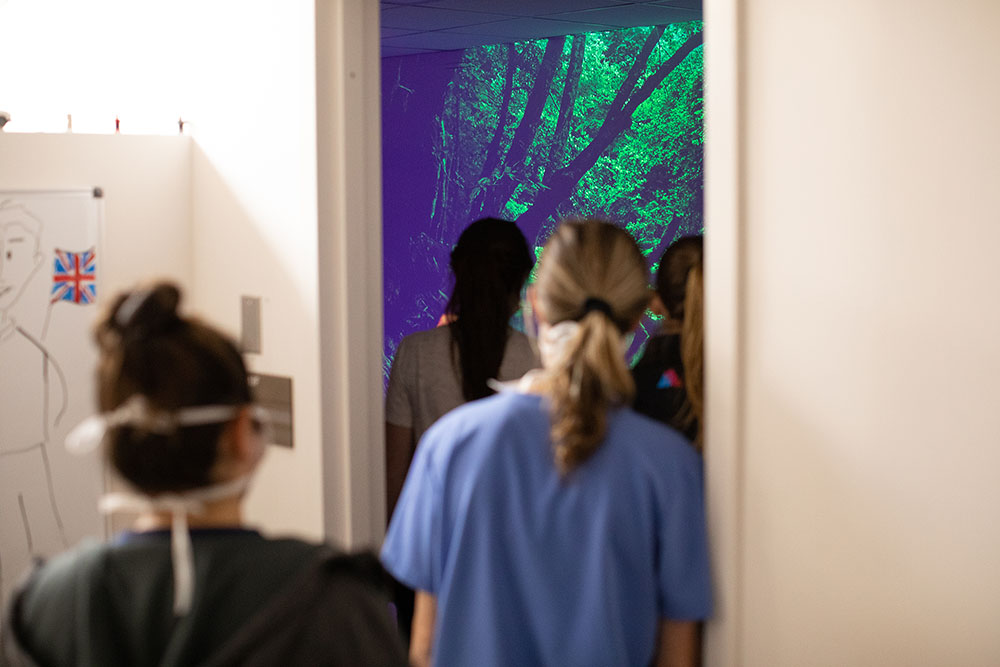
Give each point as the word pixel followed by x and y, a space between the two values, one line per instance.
pixel 424 382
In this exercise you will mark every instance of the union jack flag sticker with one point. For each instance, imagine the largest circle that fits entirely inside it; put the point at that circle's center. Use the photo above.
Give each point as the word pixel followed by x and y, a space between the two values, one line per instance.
pixel 74 278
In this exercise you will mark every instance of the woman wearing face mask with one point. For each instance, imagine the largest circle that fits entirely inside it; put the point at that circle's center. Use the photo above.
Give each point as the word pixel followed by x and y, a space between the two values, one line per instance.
pixel 551 524
pixel 190 583
pixel 669 376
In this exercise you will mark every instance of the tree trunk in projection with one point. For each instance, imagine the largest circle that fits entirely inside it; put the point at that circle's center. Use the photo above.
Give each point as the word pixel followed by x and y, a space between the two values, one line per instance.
pixel 492 159
pixel 558 186
pixel 524 135
pixel 638 67
pixel 557 153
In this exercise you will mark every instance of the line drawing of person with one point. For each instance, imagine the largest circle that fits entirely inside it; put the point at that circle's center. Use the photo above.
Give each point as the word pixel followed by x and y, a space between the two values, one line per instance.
pixel 33 399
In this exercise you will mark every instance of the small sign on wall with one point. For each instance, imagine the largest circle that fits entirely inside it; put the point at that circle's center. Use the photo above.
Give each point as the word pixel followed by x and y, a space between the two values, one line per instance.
pixel 274 394
pixel 250 324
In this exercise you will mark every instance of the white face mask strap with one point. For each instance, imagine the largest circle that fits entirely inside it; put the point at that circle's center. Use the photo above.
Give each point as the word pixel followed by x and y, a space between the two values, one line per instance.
pixel 136 411
pixel 179 505
pixel 182 559
pixel 553 339
pixel 205 414
pixel 129 307
pixel 181 551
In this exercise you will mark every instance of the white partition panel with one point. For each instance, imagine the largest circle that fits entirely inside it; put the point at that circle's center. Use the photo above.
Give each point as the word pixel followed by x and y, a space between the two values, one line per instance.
pixel 867 513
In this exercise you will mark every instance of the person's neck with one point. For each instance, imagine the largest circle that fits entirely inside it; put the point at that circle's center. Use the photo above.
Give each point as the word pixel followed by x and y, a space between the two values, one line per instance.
pixel 224 513
pixel 671 326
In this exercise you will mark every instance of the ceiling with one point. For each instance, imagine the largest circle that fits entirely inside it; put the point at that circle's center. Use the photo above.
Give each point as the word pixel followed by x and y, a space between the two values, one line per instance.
pixel 423 26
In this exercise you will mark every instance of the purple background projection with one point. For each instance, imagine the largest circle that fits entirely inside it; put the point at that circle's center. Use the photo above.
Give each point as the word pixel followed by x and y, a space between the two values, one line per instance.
pixel 415 256
pixel 439 110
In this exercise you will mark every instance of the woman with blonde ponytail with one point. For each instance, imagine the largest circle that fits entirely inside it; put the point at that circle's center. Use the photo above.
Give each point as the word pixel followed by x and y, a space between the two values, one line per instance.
pixel 669 375
pixel 550 524
pixel 587 268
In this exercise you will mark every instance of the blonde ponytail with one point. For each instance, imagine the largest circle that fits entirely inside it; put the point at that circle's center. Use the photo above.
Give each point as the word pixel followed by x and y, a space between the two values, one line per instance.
pixel 591 272
pixel 680 286
pixel 692 346
pixel 591 377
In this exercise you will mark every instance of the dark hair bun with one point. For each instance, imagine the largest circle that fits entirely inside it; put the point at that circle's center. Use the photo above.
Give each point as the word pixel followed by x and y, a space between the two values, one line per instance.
pixel 147 312
pixel 150 350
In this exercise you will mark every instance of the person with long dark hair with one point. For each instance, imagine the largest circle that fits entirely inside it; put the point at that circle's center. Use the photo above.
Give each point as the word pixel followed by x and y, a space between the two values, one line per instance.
pixel 190 584
pixel 669 375
pixel 437 370
pixel 551 524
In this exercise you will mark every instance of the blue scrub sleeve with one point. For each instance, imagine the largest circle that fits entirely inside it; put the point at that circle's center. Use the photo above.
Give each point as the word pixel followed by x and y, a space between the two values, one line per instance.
pixel 412 551
pixel 685 577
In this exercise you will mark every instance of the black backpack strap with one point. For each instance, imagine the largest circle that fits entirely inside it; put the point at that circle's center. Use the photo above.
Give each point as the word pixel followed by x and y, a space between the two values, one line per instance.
pixel 335 613
pixel 13 650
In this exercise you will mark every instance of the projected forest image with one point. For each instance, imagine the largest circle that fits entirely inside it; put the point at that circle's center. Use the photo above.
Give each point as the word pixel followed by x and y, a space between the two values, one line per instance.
pixel 600 124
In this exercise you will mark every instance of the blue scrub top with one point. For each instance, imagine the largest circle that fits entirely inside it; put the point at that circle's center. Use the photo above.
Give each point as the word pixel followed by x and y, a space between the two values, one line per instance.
pixel 531 567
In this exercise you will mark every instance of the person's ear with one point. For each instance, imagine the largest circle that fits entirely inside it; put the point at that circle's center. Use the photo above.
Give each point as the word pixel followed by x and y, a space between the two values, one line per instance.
pixel 533 300
pixel 243 446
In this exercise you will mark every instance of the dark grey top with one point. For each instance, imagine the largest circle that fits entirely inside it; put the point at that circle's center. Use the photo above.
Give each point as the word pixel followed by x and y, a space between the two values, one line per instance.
pixel 112 604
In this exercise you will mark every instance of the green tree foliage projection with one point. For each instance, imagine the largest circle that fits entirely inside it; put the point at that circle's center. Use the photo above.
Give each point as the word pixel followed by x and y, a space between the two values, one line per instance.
pixel 605 124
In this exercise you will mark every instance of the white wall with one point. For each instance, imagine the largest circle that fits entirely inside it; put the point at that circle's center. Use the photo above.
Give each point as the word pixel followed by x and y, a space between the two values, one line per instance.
pixel 248 223
pixel 147 202
pixel 95 60
pixel 350 277
pixel 255 220
pixel 286 206
pixel 147 210
pixel 866 428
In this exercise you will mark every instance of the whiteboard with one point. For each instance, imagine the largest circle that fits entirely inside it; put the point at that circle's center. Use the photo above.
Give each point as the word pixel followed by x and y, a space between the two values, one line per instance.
pixel 50 260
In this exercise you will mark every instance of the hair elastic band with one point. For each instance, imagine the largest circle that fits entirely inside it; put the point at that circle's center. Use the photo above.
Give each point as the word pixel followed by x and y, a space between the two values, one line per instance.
pixel 594 303
pixel 129 307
